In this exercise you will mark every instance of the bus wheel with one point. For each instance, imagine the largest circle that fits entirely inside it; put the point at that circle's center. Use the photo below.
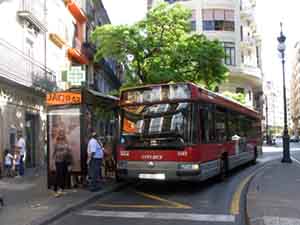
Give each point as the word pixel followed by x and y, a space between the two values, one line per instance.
pixel 223 168
pixel 254 157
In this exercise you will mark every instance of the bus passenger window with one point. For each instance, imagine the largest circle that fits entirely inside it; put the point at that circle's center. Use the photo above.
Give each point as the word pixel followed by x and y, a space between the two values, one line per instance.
pixel 220 126
pixel 207 129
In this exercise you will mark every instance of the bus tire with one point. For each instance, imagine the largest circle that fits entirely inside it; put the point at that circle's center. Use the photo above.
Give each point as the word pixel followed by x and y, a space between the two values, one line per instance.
pixel 223 168
pixel 254 157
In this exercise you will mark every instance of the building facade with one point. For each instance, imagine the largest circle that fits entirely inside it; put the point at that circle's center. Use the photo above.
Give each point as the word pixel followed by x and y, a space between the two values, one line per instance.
pixel 24 76
pixel 273 108
pixel 45 48
pixel 233 23
pixel 295 91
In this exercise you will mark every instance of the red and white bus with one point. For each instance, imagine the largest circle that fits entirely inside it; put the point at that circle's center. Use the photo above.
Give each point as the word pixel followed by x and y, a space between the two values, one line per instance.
pixel 183 132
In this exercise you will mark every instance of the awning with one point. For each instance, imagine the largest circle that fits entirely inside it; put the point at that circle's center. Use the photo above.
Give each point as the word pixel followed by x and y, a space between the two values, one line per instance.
pixel 56 39
pixel 99 94
pixel 75 54
pixel 76 11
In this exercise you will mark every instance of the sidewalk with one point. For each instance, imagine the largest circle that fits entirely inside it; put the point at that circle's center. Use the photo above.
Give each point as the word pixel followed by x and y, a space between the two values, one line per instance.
pixel 273 196
pixel 28 201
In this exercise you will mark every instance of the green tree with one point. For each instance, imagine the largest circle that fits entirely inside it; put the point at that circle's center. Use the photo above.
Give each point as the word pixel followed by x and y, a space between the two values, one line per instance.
pixel 239 97
pixel 160 48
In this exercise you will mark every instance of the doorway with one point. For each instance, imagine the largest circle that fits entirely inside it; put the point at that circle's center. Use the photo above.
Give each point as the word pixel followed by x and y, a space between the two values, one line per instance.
pixel 31 132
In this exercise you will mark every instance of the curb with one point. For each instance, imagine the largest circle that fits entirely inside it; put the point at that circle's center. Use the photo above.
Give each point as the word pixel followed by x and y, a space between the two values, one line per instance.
pixel 247 217
pixel 57 214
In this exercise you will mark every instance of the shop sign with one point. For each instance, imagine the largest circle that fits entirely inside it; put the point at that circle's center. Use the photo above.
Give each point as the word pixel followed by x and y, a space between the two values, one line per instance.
pixel 76 75
pixel 63 98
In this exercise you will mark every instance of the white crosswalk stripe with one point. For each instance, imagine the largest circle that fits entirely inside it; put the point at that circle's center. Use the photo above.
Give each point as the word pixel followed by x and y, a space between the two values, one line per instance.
pixel 161 216
pixel 269 220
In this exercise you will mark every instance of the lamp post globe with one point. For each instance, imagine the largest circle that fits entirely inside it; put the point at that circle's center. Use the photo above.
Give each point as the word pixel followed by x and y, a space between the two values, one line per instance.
pixel 286 138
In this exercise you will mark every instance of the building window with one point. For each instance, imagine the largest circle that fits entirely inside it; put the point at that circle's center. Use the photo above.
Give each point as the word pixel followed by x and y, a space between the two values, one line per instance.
pixel 243 57
pixel 208 25
pixel 242 36
pixel 193 25
pixel 257 57
pixel 193 20
pixel 250 95
pixel 229 49
pixel 29 52
pixel 218 19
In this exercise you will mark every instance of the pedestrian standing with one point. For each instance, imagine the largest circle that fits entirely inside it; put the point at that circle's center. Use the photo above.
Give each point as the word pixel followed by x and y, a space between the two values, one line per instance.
pixel 8 163
pixel 61 159
pixel 21 147
pixel 16 162
pixel 95 156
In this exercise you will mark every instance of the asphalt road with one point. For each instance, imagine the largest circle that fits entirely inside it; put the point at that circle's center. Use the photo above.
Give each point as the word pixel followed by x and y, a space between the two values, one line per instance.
pixel 147 203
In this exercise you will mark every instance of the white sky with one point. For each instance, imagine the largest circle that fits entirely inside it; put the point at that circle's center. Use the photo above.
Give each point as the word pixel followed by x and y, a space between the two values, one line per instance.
pixel 269 15
pixel 125 11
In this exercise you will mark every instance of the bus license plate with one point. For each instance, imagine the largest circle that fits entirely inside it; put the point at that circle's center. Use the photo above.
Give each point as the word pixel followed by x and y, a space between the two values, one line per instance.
pixel 156 176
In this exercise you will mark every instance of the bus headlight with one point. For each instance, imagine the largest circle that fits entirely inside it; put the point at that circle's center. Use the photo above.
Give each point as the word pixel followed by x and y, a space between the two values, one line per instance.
pixel 189 166
pixel 122 165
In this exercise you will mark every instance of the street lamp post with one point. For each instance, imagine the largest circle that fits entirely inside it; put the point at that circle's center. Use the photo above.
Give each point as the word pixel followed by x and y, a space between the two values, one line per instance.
pixel 286 138
pixel 268 140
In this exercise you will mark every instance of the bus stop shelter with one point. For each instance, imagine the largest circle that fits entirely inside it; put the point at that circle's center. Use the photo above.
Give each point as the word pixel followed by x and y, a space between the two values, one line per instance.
pixel 75 113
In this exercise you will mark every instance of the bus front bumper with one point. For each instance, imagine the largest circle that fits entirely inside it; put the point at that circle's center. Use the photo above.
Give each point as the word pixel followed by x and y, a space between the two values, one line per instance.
pixel 170 171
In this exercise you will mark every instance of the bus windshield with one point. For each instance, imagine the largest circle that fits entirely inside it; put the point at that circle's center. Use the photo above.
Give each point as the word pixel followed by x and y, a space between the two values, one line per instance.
pixel 157 126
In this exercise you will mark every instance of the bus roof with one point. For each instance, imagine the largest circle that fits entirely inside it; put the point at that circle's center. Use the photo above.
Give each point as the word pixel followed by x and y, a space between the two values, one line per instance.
pixel 200 93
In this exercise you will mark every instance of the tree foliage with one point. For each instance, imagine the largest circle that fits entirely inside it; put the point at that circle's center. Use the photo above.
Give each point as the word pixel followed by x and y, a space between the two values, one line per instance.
pixel 160 48
pixel 239 97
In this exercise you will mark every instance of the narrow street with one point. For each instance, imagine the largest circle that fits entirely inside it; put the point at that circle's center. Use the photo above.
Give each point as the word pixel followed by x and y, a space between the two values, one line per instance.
pixel 210 202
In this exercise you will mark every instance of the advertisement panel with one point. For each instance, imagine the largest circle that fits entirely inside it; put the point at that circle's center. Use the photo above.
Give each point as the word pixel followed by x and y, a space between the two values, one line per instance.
pixel 65 124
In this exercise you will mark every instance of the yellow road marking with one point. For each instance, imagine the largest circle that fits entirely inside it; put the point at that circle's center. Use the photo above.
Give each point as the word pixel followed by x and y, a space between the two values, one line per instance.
pixel 174 204
pixel 137 206
pixel 167 203
pixel 235 202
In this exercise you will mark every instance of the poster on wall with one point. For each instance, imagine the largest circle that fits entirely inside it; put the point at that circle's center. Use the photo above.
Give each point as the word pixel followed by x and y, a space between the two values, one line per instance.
pixel 64 128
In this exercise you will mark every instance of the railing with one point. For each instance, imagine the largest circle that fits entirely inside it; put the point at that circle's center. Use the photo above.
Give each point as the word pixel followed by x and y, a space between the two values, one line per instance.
pixel 36 8
pixel 248 42
pixel 22 69
pixel 251 70
pixel 247 9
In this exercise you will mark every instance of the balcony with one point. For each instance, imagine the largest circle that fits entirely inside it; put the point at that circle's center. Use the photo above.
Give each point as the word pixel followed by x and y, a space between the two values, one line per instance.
pixel 248 43
pixel 19 68
pixel 110 71
pixel 89 50
pixel 247 12
pixel 34 12
pixel 251 75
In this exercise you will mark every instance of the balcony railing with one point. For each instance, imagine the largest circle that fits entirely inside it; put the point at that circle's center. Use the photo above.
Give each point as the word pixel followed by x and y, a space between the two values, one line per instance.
pixel 34 12
pixel 247 12
pixel 248 42
pixel 251 70
pixel 22 69
pixel 88 49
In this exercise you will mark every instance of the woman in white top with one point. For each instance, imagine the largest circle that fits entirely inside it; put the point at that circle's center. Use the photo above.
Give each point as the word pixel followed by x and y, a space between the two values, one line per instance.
pixel 8 162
